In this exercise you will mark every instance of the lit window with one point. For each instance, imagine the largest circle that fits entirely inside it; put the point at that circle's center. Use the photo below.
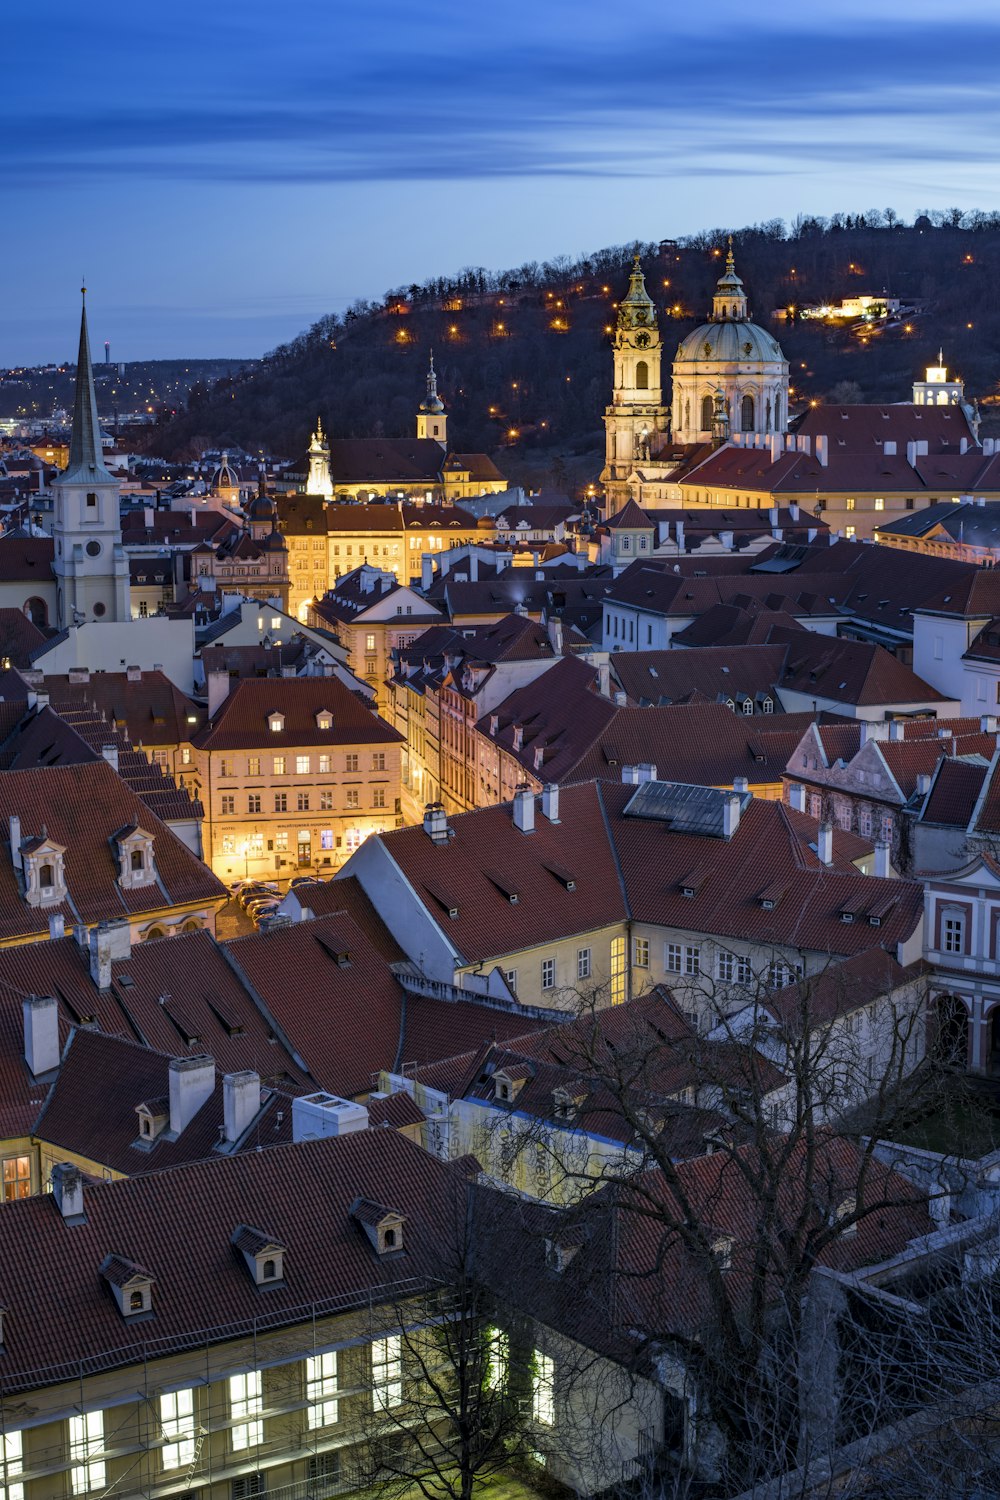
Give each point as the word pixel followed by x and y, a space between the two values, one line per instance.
pixel 11 1465
pixel 353 798
pixel 370 641
pixel 86 1451
pixel 326 801
pixel 302 765
pixel 850 532
pixel 848 504
pixel 879 503
pixel 177 1424
pixel 227 766
pixel 321 1389
pixel 350 762
pixel 640 953
pixel 16 1178
pixel 281 841
pixel 324 765
pixel 185 756
pixel 672 958
pixel 246 1403
pixel 543 1403
pixel 378 796
pixel 387 1372
pixel 228 805
pixel 497 1359
pixel 279 765
pixel 253 765
pixel 583 963
pixel 378 761
pixel 619 976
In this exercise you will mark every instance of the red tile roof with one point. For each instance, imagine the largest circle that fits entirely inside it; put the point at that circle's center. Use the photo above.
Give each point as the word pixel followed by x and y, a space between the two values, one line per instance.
pixel 91 1109
pixel 242 722
pixel 83 807
pixel 202 1286
pixel 854 672
pixel 954 793
pixel 151 709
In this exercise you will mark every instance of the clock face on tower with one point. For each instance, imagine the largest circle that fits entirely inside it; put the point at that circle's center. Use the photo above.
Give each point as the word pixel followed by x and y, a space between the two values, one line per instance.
pixel 642 340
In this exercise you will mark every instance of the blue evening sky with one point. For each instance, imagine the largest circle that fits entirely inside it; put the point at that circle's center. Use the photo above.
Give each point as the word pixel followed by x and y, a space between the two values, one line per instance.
pixel 224 174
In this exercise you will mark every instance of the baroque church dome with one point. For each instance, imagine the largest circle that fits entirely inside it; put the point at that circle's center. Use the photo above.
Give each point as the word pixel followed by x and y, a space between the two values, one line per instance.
pixel 730 335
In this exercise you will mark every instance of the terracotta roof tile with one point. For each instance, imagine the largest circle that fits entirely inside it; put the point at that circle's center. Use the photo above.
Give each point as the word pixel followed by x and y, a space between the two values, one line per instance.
pixel 242 722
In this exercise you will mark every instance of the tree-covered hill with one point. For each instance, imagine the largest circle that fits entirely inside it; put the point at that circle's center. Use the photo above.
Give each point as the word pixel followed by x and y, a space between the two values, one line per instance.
pixel 523 356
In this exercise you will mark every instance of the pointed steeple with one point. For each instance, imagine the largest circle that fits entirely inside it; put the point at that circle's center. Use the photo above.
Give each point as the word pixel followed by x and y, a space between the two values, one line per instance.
pixel 432 401
pixel 86 463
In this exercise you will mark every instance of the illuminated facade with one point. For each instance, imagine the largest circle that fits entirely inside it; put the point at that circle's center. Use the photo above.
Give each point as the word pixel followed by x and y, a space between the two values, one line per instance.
pixel 319 482
pixel 636 422
pixel 936 389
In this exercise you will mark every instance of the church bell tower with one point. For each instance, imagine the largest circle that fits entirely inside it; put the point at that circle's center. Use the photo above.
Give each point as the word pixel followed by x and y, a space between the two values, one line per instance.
pixel 90 565
pixel 432 419
pixel 636 418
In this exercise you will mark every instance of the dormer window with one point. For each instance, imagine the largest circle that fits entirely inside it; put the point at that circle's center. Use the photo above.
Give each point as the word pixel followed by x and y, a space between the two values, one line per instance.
pixel 136 866
pixel 324 719
pixel 721 1248
pixel 383 1226
pixel 263 1256
pixel 44 869
pixel 154 1115
pixel 276 723
pixel 845 1209
pixel 508 1083
pixel 131 1285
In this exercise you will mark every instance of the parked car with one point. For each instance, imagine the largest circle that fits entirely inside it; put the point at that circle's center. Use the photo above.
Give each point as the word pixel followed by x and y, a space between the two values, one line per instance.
pixel 268 919
pixel 261 904
pixel 302 880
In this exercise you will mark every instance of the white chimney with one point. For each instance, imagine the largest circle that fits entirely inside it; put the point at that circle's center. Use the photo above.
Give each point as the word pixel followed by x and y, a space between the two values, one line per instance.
pixel 110 754
pixel 67 1190
pixel 882 869
pixel 630 775
pixel 240 1102
pixel 217 684
pixel 57 926
pixel 15 840
pixel 645 771
pixel 679 533
pixel 550 802
pixel 436 823
pixel 793 511
pixel 889 448
pixel 555 630
pixel 524 809
pixel 897 730
pixel 426 571
pixel 923 783
pixel 604 679
pixel 317 1116
pixel 191 1082
pixel 731 814
pixel 41 1033
pixel 805 443
pixel 621 698
pixel 988 724
pixel 777 446
pixel 911 453
pixel 824 844
pixel 109 941
pixel 741 784
pixel 822 449
pixel 133 674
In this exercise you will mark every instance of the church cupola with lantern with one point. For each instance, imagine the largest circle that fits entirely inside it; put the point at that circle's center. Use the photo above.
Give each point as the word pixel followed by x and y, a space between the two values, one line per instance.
pixel 432 419
pixel 636 421
pixel 319 481
pixel 733 356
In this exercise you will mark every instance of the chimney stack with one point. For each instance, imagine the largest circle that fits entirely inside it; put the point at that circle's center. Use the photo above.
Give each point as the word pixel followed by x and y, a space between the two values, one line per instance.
pixel 897 730
pixel 110 754
pixel 741 784
pixel 604 679
pixel 67 1190
pixel 240 1102
pixel 550 802
pixel 824 844
pixel 923 783
pixel 555 630
pixel 191 1082
pixel 731 814
pixel 797 797
pixel 41 1033
pixel 217 685
pixel 57 926
pixel 15 841
pixel 882 869
pixel 109 941
pixel 988 724
pixel 524 809
pixel 436 823
pixel 822 450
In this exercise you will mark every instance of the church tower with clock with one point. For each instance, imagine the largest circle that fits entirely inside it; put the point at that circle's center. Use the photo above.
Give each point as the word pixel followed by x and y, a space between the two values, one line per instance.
pixel 636 421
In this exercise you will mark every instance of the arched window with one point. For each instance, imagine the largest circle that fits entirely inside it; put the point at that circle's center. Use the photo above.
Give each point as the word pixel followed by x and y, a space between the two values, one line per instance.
pixel 138 860
pixel 777 413
pixel 747 414
pixel 37 611
pixel 642 376
pixel 390 1239
pixel 706 413
pixel 269 1271
pixel 135 1302
pixel 46 875
pixel 151 933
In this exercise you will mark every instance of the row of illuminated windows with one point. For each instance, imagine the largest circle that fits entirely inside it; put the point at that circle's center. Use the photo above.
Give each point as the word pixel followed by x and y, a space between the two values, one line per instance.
pixel 305 765
pixel 178 1424
pixel 253 846
pixel 255 801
